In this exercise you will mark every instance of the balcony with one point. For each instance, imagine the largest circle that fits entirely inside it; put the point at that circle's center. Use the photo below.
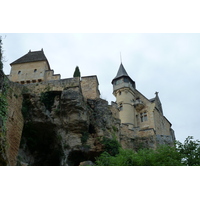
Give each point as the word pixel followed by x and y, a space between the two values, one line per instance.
pixel 138 104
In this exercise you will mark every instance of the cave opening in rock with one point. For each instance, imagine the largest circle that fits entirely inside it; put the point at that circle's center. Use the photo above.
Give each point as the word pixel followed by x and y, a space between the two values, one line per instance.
pixel 77 156
pixel 92 129
pixel 43 143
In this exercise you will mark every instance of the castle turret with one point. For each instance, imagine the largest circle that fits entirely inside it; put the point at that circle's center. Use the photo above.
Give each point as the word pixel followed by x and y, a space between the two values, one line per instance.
pixel 124 91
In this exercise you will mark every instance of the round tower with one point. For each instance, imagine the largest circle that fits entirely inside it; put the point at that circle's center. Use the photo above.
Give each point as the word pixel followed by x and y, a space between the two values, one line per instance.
pixel 124 91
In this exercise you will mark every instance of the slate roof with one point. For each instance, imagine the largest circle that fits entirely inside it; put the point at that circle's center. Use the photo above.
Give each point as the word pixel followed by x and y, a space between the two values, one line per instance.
pixel 31 56
pixel 153 99
pixel 121 72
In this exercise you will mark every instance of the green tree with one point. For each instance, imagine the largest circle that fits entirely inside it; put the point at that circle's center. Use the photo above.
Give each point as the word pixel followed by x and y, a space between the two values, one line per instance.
pixel 162 156
pixel 77 72
pixel 1 55
pixel 189 151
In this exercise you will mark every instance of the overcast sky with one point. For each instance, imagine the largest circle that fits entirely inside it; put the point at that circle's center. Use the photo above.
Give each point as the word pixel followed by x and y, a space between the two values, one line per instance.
pixel 167 63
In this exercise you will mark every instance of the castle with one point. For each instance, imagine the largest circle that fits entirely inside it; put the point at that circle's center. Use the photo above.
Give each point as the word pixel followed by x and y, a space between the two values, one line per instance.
pixel 77 109
pixel 141 115
pixel 34 67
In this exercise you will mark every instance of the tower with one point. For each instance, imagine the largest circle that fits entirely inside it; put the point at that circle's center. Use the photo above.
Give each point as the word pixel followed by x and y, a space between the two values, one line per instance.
pixel 33 67
pixel 124 91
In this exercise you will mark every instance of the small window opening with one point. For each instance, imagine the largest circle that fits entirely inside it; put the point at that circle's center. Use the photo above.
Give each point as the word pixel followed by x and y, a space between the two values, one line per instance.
pixel 143 117
pixel 35 70
pixel 120 92
pixel 34 81
pixel 120 107
pixel 19 72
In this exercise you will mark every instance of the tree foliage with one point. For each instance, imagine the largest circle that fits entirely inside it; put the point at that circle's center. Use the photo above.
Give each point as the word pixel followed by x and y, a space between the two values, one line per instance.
pixel 1 55
pixel 186 154
pixel 190 151
pixel 77 72
pixel 163 156
pixel 111 146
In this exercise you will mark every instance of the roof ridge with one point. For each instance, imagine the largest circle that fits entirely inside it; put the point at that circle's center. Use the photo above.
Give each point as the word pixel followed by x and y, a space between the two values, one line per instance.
pixel 31 56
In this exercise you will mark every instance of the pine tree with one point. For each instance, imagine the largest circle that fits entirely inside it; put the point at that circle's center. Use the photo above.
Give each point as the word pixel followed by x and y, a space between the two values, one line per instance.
pixel 1 56
pixel 77 72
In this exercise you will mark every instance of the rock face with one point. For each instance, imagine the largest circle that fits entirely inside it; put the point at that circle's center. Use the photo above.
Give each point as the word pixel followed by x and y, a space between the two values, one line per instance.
pixel 56 123
pixel 62 128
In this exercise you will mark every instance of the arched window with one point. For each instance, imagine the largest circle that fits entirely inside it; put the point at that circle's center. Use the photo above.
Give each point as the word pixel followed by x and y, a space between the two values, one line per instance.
pixel 35 70
pixel 19 72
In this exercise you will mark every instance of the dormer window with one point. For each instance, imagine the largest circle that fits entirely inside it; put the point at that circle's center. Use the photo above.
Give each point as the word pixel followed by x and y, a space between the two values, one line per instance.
pixel 35 70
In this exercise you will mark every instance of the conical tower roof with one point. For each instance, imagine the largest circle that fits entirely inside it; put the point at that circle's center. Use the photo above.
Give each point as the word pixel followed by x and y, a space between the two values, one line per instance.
pixel 121 72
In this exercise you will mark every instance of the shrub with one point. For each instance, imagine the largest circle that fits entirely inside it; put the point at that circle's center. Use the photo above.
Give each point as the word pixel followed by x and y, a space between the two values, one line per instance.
pixel 162 156
pixel 111 146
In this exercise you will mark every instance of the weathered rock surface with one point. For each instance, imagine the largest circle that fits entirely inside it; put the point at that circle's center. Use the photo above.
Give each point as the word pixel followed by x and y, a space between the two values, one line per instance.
pixel 51 125
pixel 68 131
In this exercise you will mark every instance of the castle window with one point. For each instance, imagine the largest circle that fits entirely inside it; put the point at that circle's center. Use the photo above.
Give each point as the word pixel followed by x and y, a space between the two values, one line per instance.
pixel 19 72
pixel 119 81
pixel 35 70
pixel 120 106
pixel 143 116
pixel 120 92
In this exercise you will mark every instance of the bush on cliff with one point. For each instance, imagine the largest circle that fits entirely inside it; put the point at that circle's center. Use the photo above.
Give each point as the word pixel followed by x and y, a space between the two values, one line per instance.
pixel 186 154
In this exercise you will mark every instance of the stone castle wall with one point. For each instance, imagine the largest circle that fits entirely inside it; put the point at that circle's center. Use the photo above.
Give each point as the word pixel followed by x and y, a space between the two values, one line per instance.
pixel 53 85
pixel 32 71
pixel 14 120
pixel 14 123
pixel 89 86
pixel 162 125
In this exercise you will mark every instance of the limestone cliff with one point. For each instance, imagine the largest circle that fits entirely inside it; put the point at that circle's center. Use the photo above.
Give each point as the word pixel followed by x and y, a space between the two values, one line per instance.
pixel 62 128
pixel 53 123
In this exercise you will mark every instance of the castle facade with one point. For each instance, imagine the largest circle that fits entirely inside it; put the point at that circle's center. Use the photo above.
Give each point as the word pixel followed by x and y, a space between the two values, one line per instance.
pixel 139 115
pixel 142 116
